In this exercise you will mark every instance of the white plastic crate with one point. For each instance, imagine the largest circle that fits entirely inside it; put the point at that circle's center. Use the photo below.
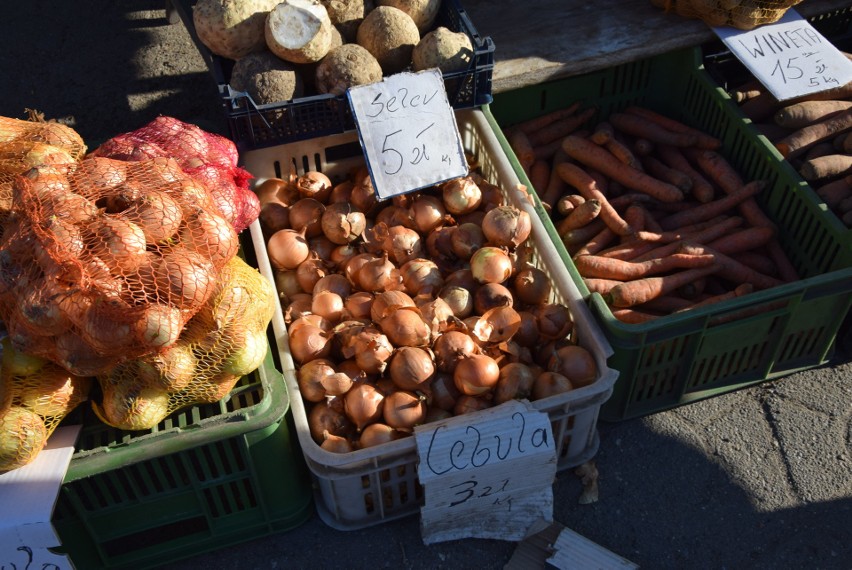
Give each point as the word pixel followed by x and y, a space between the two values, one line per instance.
pixel 374 485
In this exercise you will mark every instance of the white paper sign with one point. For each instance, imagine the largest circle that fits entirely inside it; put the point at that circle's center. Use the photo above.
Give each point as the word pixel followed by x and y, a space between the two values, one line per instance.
pixel 789 57
pixel 408 132
pixel 27 496
pixel 487 475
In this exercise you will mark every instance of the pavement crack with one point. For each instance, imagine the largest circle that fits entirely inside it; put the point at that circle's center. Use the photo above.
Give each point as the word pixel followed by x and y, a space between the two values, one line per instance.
pixel 776 439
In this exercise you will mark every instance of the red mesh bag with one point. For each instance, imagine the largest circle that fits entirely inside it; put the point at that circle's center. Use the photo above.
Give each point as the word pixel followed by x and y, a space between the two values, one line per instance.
pixel 107 260
pixel 207 157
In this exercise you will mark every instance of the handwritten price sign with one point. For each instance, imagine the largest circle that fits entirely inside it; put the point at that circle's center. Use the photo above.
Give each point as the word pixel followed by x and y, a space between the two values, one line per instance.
pixel 789 57
pixel 488 475
pixel 408 131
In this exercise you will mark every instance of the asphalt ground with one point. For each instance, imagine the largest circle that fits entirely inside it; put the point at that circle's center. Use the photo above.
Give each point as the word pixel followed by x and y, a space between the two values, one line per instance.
pixel 760 478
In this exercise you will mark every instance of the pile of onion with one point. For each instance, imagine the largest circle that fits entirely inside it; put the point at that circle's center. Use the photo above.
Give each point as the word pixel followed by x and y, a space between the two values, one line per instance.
pixel 412 310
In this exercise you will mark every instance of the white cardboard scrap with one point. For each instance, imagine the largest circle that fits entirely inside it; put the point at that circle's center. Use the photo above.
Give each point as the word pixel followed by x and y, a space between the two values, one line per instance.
pixel 408 132
pixel 789 56
pixel 28 495
pixel 574 551
pixel 488 475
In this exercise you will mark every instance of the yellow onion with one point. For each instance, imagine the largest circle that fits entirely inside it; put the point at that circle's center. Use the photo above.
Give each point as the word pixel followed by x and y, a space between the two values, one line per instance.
pixel 497 325
pixel 388 301
pixel 173 370
pixel 476 374
pixel 309 342
pixel 553 320
pixel 372 350
pixel 363 404
pixel 352 265
pixel 358 305
pixel 52 392
pixel 341 254
pixel 461 195
pixel 437 314
pixel 314 184
pixel 306 216
pixel 335 443
pixel 210 235
pixel 377 434
pixel 427 212
pixel 342 224
pixel 490 295
pixel 379 275
pixel 470 404
pixel 459 299
pixel 527 334
pixel 287 283
pixel 22 436
pixel 406 327
pixel 506 226
pixel 410 367
pixel 310 377
pixel 441 392
pixel 328 305
pixel 550 384
pixel 490 265
pixel 287 249
pixel 403 410
pixel 575 363
pixel 334 282
pixel 532 286
pixel 129 407
pixel 322 247
pixel 336 384
pixel 341 193
pixel 311 270
pixel 421 276
pixel 515 382
pixel 450 347
pixel 328 416
pixel 467 238
pixel 402 244
pixel 363 194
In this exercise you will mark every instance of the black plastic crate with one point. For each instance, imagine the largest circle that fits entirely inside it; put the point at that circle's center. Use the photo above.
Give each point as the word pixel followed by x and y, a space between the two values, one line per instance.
pixel 254 126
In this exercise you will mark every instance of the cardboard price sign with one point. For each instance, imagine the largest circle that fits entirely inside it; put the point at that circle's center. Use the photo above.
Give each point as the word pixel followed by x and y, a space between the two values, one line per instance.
pixel 408 132
pixel 487 475
pixel 789 57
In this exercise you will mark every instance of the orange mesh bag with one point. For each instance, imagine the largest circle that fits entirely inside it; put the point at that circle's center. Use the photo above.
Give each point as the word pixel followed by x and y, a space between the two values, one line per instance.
pixel 224 341
pixel 35 395
pixel 741 14
pixel 207 157
pixel 108 261
pixel 25 144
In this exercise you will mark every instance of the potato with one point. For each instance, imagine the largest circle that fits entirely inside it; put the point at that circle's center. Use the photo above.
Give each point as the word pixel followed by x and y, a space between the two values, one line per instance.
pixel 299 31
pixel 232 28
pixel 346 16
pixel 390 35
pixel 266 78
pixel 346 66
pixel 447 50
pixel 423 12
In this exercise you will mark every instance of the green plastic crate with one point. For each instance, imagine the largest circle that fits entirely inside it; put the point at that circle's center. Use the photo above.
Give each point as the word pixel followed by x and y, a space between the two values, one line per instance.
pixel 208 476
pixel 730 345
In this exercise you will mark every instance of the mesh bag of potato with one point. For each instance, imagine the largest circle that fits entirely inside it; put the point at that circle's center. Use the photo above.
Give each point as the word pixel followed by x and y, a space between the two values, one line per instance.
pixel 224 341
pixel 741 14
pixel 35 395
pixel 103 260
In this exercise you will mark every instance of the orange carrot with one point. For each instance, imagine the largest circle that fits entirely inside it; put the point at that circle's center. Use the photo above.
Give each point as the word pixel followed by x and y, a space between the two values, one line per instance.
pixel 761 107
pixel 523 149
pixel 742 240
pixel 667 303
pixel 567 202
pixel 586 186
pixel 643 147
pixel 599 241
pixel 833 192
pixel 547 151
pixel 600 159
pixel 728 179
pixel 713 208
pixel 602 133
pixel 637 126
pixel 702 190
pixel 623 153
pixel 731 269
pixel 658 169
pixel 651 223
pixel 702 234
pixel 634 215
pixel 556 187
pixel 609 268
pixel 785 267
pixel 631 316
pixel 799 115
pixel 738 291
pixel 574 239
pixel 538 123
pixel 540 176
pixel 596 285
pixel 704 140
pixel 799 141
pixel 758 260
pixel 640 291
pixel 579 216
pixel 824 167
pixel 561 128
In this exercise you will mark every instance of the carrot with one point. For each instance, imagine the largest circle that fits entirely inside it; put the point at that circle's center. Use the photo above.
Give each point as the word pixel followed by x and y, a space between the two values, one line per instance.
pixel 826 167
pixel 623 153
pixel 747 91
pixel 596 285
pixel 667 303
pixel 575 239
pixel 731 269
pixel 634 215
pixel 643 147
pixel 802 114
pixel 824 148
pixel 786 269
pixel 738 291
pixel 600 159
pixel 640 291
pixel 561 128
pixel 760 108
pixel 630 316
pixel 702 190
pixel 650 222
pixel 602 133
pixel 658 169
pixel 720 171
pixel 647 241
pixel 742 240
pixel 847 218
pixel 639 126
pixel 704 140
pixel 547 151
pixel 846 143
pixel 833 192
pixel 540 176
pixel 523 149
pixel 694 289
pixel 713 208
pixel 623 200
pixel 609 268
pixel 760 262
pixel 586 186
pixel 538 123
pixel 580 216
pixel 566 204
pixel 771 131
pixel 598 242
pixel 702 234
pixel 802 139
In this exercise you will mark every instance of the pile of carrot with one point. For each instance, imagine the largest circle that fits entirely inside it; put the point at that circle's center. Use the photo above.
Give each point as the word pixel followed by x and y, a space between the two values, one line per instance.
pixel 654 216
pixel 813 133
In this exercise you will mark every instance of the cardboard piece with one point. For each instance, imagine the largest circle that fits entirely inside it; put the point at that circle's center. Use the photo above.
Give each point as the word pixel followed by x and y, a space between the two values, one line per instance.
pixel 496 467
pixel 789 57
pixel 559 547
pixel 28 495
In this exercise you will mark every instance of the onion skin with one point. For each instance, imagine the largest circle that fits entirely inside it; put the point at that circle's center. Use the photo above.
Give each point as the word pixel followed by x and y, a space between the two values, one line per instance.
pixel 575 363
pixel 363 404
pixel 405 327
pixel 532 286
pixel 309 377
pixel 450 347
pixel 309 342
pixel 328 416
pixel 470 404
pixel 476 374
pixel 506 226
pixel 410 367
pixel 403 410
pixel 442 392
pixel 550 384
pixel 377 434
